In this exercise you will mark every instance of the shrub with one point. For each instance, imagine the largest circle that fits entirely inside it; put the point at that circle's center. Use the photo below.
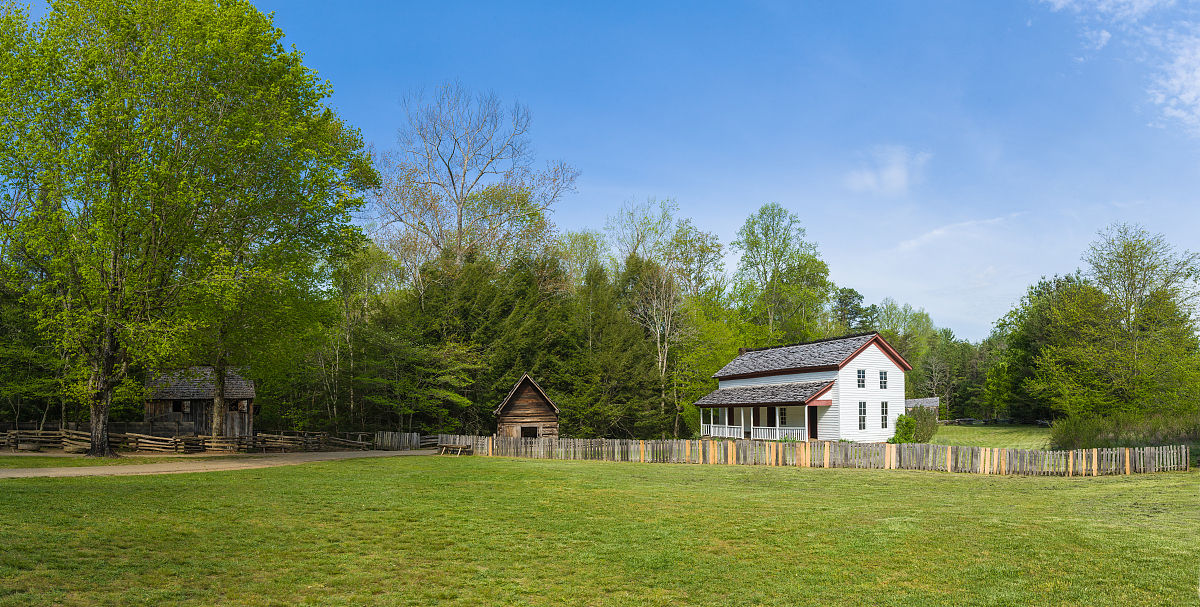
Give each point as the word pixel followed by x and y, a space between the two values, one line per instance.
pixel 1124 430
pixel 906 426
pixel 926 424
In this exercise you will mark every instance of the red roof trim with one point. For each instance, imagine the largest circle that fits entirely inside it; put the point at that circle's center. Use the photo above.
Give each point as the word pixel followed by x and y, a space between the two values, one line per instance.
pixel 820 392
pixel 885 347
pixel 514 391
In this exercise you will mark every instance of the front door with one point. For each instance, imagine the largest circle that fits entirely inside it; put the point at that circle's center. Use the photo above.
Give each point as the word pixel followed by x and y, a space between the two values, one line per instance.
pixel 812 423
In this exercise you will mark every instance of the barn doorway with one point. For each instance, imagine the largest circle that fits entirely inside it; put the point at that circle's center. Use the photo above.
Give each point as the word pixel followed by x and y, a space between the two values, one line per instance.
pixel 529 431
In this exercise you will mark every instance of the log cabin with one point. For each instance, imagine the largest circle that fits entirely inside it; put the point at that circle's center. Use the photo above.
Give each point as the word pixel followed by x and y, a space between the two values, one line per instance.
pixel 843 388
pixel 186 396
pixel 527 412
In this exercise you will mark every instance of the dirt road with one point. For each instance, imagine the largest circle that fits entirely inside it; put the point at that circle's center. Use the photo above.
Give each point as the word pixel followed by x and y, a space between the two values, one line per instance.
pixel 204 465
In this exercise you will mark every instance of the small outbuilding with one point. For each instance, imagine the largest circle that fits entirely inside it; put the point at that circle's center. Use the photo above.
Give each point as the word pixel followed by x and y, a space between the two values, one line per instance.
pixel 527 412
pixel 186 397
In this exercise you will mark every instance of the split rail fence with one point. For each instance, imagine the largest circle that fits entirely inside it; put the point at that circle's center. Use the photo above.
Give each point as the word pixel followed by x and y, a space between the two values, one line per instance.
pixel 827 454
pixel 73 440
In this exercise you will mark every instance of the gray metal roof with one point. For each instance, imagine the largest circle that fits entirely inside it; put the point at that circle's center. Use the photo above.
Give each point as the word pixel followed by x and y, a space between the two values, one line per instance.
pixel 197 383
pixel 795 392
pixel 923 402
pixel 823 353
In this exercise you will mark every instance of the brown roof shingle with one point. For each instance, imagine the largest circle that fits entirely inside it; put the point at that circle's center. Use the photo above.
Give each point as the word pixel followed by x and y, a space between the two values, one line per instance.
pixel 795 392
pixel 197 383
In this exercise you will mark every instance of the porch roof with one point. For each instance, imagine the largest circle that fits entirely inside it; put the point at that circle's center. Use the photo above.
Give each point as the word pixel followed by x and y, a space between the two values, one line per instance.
pixel 795 393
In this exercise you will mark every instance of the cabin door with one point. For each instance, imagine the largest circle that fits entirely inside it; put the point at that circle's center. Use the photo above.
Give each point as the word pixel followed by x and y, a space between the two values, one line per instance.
pixel 812 423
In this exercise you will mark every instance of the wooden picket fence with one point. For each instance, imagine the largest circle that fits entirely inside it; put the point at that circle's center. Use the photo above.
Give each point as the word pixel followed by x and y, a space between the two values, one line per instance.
pixel 397 441
pixel 828 454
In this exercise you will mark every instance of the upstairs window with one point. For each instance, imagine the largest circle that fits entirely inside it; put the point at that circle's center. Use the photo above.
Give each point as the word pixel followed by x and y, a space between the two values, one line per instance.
pixel 883 380
pixel 883 413
pixel 862 378
pixel 862 415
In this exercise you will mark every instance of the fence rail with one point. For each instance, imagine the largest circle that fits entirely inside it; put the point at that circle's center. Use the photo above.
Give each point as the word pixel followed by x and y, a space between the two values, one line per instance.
pixel 827 454
pixel 78 441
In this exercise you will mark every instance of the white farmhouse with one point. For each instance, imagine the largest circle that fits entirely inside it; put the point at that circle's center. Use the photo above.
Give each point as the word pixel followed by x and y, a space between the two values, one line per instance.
pixel 848 388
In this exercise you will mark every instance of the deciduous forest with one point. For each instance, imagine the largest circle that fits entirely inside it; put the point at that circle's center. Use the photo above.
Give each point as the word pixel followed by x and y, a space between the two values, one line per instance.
pixel 151 222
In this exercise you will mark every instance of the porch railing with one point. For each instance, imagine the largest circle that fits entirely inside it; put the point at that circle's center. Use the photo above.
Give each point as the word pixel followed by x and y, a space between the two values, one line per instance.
pixel 775 433
pixel 721 430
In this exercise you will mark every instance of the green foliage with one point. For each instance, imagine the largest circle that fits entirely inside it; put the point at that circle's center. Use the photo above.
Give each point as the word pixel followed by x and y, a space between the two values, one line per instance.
pixel 906 428
pixel 781 280
pixel 1124 429
pixel 925 424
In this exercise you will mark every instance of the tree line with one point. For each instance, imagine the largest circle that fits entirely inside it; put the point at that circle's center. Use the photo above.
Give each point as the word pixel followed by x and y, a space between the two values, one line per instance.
pixel 176 192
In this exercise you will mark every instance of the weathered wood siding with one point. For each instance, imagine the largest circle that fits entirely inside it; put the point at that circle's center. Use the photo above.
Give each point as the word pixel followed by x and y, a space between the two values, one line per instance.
pixel 527 408
pixel 238 422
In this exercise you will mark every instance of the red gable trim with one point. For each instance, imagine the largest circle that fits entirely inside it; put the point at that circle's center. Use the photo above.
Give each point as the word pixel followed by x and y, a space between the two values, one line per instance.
pixel 885 347
pixel 524 378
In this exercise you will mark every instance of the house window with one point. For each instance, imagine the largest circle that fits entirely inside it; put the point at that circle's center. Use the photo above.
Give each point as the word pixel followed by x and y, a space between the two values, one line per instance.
pixel 862 378
pixel 783 416
pixel 883 380
pixel 862 415
pixel 883 413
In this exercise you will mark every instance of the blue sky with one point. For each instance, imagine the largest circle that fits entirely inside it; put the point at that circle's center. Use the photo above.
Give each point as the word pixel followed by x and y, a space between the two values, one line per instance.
pixel 945 154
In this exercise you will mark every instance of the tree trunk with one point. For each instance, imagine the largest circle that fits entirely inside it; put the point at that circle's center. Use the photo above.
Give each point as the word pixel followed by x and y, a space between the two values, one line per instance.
pixel 218 418
pixel 102 384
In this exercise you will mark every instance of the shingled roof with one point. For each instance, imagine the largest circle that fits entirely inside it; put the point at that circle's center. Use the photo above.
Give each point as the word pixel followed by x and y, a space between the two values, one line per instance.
pixel 197 383
pixel 822 354
pixel 770 394
pixel 932 403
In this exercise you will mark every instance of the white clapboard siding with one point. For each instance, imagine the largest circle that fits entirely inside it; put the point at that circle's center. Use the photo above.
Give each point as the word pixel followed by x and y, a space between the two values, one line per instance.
pixel 786 378
pixel 873 360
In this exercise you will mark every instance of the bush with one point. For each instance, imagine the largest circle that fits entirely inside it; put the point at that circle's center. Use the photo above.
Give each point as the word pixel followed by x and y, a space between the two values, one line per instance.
pixel 1124 430
pixel 927 424
pixel 905 428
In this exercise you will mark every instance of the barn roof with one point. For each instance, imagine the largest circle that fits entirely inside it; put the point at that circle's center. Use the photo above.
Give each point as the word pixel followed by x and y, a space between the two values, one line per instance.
pixel 524 378
pixel 822 354
pixel 932 403
pixel 770 394
pixel 198 383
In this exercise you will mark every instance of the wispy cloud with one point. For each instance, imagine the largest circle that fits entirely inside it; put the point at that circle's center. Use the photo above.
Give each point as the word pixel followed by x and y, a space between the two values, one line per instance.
pixel 963 228
pixel 1121 10
pixel 1165 39
pixel 890 170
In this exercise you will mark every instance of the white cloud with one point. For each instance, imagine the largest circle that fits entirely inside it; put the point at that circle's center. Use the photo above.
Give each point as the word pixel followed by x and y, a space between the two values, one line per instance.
pixel 1096 39
pixel 1165 40
pixel 1176 86
pixel 1120 10
pixel 890 171
pixel 961 229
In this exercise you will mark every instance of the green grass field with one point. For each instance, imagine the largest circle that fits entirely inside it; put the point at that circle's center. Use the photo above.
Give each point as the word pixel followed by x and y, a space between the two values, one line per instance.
pixel 41 461
pixel 489 531
pixel 1011 437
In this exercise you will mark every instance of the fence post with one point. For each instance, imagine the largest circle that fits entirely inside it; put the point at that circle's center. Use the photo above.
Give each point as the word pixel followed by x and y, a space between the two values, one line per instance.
pixel 1070 461
pixel 827 443
pixel 949 468
pixel 490 445
pixel 642 450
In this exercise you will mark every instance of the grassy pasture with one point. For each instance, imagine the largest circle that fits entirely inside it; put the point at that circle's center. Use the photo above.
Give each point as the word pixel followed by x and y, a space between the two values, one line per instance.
pixel 42 461
pixel 490 531
pixel 1009 437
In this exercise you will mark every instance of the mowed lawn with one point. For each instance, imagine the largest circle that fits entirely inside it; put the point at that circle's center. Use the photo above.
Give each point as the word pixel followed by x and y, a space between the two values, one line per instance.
pixel 1010 437
pixel 490 531
pixel 71 461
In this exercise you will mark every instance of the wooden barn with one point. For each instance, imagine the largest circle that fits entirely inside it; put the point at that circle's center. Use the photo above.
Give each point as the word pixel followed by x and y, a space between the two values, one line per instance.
pixel 527 412
pixel 186 396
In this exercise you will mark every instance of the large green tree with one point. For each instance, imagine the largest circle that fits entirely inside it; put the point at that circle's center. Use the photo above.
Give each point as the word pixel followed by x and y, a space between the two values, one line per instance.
pixel 148 132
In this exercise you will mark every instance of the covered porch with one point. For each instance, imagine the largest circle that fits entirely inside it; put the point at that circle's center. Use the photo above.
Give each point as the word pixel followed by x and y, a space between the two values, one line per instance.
pixel 787 411
pixel 759 423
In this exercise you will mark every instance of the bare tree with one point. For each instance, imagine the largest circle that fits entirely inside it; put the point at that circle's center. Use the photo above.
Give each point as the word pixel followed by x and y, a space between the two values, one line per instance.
pixel 643 229
pixel 463 178
pixel 657 303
